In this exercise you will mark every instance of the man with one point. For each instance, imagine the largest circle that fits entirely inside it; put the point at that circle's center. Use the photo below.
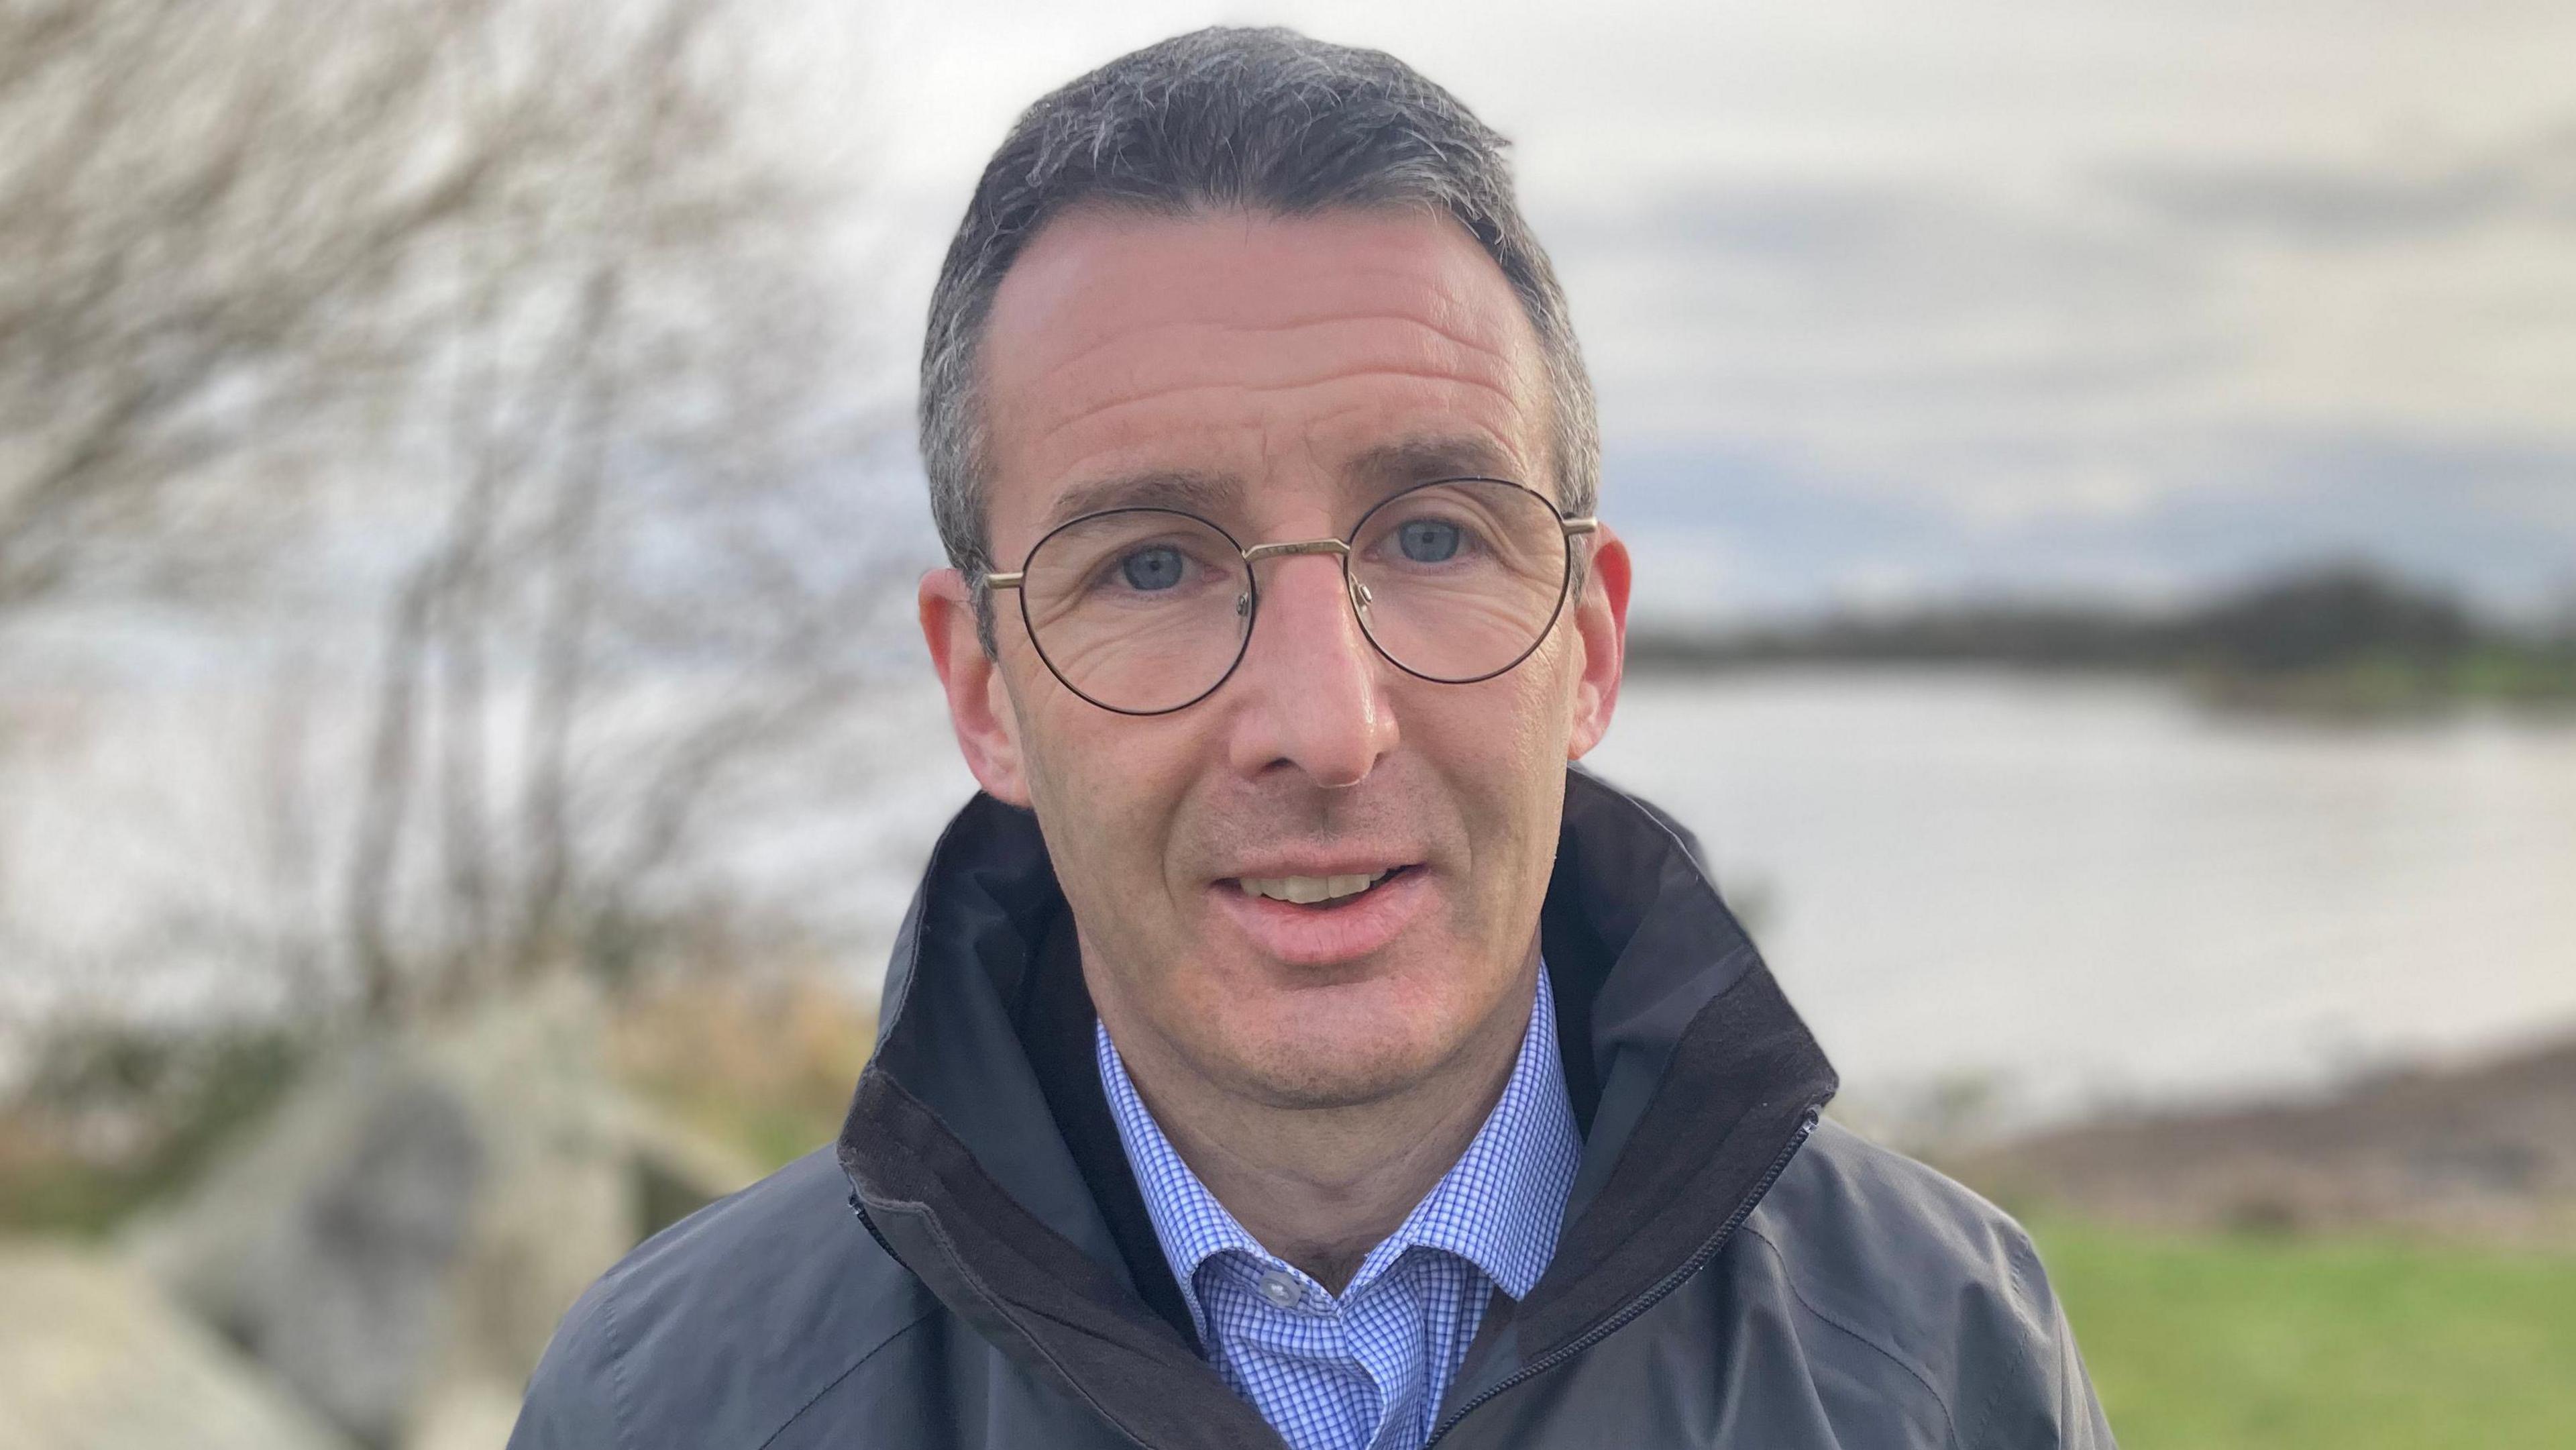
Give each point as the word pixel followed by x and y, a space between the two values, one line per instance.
pixel 1287 1046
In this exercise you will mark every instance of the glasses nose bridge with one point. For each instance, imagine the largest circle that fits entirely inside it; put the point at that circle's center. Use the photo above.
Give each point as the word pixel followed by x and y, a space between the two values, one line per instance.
pixel 1339 549
pixel 1335 547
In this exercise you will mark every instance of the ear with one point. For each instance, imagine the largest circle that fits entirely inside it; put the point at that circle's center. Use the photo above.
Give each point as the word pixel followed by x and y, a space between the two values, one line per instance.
pixel 1601 624
pixel 979 704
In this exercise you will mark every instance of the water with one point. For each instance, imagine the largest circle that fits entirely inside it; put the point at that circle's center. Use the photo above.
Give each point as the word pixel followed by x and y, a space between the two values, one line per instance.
pixel 2064 892
pixel 2079 892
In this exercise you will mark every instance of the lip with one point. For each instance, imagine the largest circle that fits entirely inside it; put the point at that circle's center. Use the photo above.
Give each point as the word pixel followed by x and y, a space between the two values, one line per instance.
pixel 1307 936
pixel 1273 867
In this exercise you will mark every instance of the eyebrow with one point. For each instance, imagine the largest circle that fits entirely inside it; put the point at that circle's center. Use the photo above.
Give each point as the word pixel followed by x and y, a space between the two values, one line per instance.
pixel 1198 493
pixel 1421 459
pixel 1380 470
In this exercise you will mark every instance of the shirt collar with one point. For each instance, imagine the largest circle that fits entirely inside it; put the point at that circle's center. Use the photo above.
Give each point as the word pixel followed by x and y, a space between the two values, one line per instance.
pixel 1499 1207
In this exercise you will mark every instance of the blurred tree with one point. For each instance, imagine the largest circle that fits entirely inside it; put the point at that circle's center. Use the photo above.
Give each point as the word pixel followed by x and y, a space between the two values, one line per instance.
pixel 203 210
pixel 514 294
pixel 2329 615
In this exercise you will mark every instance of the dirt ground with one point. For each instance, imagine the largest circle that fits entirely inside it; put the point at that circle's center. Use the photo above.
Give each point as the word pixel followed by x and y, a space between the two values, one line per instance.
pixel 2484 1154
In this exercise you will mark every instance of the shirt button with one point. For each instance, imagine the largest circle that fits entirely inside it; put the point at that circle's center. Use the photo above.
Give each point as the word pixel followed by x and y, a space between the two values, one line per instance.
pixel 1282 1290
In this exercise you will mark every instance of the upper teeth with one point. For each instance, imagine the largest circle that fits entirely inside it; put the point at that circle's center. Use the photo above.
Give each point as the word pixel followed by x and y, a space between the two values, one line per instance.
pixel 1306 890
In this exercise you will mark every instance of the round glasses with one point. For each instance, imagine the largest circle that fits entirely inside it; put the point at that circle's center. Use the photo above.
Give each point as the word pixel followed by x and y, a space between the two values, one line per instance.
pixel 1147 610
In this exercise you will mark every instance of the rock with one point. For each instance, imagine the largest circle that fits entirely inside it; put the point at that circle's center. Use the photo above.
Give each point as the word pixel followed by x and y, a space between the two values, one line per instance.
pixel 467 1417
pixel 93 1356
pixel 399 1242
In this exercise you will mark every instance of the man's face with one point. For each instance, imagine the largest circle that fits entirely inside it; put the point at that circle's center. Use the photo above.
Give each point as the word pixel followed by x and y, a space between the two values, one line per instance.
pixel 1287 373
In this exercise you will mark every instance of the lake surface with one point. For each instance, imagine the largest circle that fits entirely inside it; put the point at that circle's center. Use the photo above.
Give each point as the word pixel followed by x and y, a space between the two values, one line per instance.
pixel 2056 892
pixel 2074 892
pixel 2067 893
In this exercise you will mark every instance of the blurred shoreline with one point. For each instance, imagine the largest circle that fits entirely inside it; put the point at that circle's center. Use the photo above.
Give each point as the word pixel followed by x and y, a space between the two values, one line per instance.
pixel 2336 640
pixel 2482 1152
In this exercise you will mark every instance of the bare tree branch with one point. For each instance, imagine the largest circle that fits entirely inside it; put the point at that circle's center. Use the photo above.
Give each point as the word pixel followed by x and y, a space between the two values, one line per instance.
pixel 513 285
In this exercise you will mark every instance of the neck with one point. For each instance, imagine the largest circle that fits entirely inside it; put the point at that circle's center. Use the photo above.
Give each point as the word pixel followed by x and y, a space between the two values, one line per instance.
pixel 1321 1186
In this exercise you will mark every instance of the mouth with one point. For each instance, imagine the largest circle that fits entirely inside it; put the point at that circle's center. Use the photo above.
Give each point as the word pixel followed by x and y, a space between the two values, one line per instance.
pixel 1329 920
pixel 1322 892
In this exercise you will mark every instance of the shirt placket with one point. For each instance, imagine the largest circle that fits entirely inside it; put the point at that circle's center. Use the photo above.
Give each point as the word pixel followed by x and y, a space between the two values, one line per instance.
pixel 1385 1324
pixel 1363 1372
pixel 1278 1344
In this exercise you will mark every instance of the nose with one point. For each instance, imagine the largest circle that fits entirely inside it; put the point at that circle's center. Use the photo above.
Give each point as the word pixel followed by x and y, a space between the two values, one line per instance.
pixel 1312 689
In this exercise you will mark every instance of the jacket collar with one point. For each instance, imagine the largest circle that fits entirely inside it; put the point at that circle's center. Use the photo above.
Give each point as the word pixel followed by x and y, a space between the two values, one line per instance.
pixel 981 1170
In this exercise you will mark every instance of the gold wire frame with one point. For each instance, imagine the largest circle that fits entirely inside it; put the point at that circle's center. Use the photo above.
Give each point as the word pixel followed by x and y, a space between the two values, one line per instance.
pixel 1570 528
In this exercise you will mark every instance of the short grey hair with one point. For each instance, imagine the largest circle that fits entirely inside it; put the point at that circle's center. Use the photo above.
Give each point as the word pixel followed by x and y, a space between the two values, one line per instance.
pixel 1263 120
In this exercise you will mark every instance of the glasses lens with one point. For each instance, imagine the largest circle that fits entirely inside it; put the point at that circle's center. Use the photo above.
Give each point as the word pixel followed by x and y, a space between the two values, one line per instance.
pixel 1458 580
pixel 1141 610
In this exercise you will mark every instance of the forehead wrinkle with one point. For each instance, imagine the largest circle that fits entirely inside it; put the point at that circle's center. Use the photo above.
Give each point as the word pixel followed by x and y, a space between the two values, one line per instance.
pixel 1502 352
pixel 1158 395
pixel 1398 283
pixel 1490 442
pixel 1500 429
pixel 1448 359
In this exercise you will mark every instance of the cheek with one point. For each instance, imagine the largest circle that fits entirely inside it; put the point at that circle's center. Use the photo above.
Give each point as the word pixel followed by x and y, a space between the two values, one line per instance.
pixel 1542 728
pixel 1501 746
pixel 1541 710
pixel 1105 787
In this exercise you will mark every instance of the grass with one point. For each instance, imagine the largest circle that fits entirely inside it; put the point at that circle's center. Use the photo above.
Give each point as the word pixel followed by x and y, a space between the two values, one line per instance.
pixel 2283 1343
pixel 119 1120
pixel 769 1071
pixel 2380 685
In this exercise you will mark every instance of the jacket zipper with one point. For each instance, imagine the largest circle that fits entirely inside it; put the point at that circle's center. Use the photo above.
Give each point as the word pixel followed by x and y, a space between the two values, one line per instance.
pixel 1648 1300
pixel 873 1231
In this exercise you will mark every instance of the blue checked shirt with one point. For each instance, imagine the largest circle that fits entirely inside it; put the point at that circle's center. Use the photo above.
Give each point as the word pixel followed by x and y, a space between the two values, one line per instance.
pixel 1366 1371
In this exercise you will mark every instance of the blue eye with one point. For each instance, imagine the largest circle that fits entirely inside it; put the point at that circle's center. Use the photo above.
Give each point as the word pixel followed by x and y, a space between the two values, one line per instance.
pixel 1152 569
pixel 1427 541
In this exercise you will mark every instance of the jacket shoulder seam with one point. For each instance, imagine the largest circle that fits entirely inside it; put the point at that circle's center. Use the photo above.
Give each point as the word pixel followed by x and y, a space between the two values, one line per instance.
pixel 909 1325
pixel 1789 1277
pixel 609 1324
pixel 859 1363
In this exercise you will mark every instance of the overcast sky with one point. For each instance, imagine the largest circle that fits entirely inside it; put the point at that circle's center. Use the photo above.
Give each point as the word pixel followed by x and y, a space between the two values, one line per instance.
pixel 1889 299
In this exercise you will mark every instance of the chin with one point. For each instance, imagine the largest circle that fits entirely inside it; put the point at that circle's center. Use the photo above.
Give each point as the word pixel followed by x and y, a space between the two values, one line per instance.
pixel 1338 1059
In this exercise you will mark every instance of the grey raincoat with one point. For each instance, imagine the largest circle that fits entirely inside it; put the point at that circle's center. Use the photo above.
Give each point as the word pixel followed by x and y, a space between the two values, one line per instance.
pixel 972 1264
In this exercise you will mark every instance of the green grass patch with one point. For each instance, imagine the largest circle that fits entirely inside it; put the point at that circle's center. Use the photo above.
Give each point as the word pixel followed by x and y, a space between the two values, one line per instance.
pixel 117 1120
pixel 2284 1343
